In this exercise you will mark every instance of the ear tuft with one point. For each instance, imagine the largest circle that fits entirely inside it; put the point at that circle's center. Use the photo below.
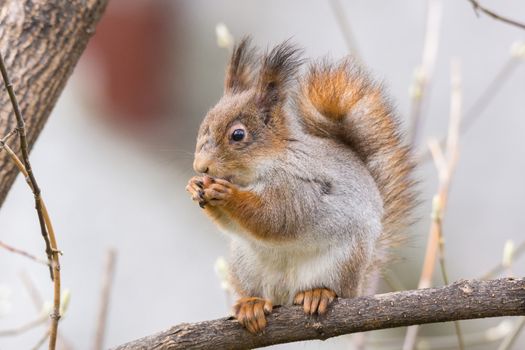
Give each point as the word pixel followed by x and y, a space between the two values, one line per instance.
pixel 278 69
pixel 239 74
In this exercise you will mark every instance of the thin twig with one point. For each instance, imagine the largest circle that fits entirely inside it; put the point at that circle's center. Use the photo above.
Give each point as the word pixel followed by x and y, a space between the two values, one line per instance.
pixel 105 293
pixel 25 327
pixel 38 303
pixel 21 131
pixel 437 211
pixel 501 267
pixel 509 340
pixel 423 74
pixel 346 29
pixel 478 7
pixel 475 112
pixel 452 158
pixel 34 293
pixel 46 226
pixel 8 136
pixel 445 165
pixel 41 341
pixel 55 315
pixel 23 253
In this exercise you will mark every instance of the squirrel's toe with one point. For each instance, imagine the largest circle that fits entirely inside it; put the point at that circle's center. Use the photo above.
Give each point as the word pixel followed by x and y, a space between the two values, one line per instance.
pixel 251 313
pixel 315 301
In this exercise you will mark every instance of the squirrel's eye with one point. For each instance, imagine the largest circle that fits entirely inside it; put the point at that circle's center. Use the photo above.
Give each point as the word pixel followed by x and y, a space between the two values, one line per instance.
pixel 237 135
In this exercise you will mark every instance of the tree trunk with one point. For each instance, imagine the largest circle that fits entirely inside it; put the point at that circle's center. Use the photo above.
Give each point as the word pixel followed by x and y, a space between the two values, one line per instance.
pixel 41 41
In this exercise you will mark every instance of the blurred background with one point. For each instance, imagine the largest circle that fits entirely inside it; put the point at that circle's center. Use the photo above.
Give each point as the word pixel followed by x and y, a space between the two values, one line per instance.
pixel 116 154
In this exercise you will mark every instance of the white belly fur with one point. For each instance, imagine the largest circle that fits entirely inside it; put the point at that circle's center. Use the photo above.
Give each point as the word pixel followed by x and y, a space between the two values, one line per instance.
pixel 279 273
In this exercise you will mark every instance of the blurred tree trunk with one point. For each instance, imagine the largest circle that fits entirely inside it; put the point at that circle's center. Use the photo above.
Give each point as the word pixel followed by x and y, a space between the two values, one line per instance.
pixel 41 41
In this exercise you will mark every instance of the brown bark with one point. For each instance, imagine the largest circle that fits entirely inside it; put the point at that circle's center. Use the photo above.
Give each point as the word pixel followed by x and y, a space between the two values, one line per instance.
pixel 41 41
pixel 459 301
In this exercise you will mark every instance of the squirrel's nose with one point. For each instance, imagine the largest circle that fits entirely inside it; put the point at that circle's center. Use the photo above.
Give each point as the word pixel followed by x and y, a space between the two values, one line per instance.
pixel 201 166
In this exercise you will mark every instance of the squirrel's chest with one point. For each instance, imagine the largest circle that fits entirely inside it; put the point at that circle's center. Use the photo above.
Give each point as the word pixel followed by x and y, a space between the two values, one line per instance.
pixel 279 274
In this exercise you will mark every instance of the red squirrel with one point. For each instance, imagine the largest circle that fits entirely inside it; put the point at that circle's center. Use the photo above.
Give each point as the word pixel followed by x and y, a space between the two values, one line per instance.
pixel 309 176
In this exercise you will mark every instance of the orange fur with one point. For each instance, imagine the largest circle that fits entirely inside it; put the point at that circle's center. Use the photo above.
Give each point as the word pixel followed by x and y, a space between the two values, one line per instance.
pixel 324 87
pixel 247 208
pixel 251 313
pixel 315 301
pixel 229 206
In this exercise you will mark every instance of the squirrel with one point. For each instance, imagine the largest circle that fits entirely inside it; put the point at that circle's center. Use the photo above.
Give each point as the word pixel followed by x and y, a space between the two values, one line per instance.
pixel 309 176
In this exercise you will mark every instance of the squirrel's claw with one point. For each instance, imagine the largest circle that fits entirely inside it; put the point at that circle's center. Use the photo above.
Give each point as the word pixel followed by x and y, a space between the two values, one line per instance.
pixel 196 188
pixel 207 190
pixel 251 313
pixel 217 192
pixel 315 300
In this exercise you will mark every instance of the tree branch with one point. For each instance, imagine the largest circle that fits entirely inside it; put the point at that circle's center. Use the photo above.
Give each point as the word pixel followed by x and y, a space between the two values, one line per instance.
pixel 105 293
pixel 478 7
pixel 43 41
pixel 22 253
pixel 461 300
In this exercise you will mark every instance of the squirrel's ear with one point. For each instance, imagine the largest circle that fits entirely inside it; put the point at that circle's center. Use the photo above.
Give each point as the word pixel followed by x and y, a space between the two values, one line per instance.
pixel 278 70
pixel 239 74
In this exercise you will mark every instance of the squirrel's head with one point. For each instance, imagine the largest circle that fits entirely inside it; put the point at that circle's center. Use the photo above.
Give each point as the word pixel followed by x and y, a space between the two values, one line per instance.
pixel 248 125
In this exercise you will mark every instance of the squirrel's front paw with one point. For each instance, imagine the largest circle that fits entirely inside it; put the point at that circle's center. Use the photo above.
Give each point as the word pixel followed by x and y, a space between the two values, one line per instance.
pixel 251 313
pixel 196 188
pixel 207 190
pixel 315 300
pixel 216 191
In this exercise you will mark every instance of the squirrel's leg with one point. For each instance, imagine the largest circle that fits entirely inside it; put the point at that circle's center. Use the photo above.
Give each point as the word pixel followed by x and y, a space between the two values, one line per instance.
pixel 251 313
pixel 248 209
pixel 214 196
pixel 315 300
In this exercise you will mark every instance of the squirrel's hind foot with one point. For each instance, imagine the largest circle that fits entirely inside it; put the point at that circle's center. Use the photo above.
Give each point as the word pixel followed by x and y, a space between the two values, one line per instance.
pixel 315 300
pixel 251 313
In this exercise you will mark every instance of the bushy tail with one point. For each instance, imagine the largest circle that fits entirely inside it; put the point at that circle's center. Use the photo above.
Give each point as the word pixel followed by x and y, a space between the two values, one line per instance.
pixel 340 101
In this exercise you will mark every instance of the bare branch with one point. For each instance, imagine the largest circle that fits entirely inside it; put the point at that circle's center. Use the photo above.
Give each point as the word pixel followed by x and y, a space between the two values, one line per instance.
pixel 346 29
pixel 55 259
pixel 23 253
pixel 107 281
pixel 459 301
pixel 30 177
pixel 478 7
pixel 445 164
pixel 22 36
pixel 424 72
pixel 500 267
pixel 511 338
pixel 32 290
pixel 475 112
pixel 25 327
pixel 41 341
